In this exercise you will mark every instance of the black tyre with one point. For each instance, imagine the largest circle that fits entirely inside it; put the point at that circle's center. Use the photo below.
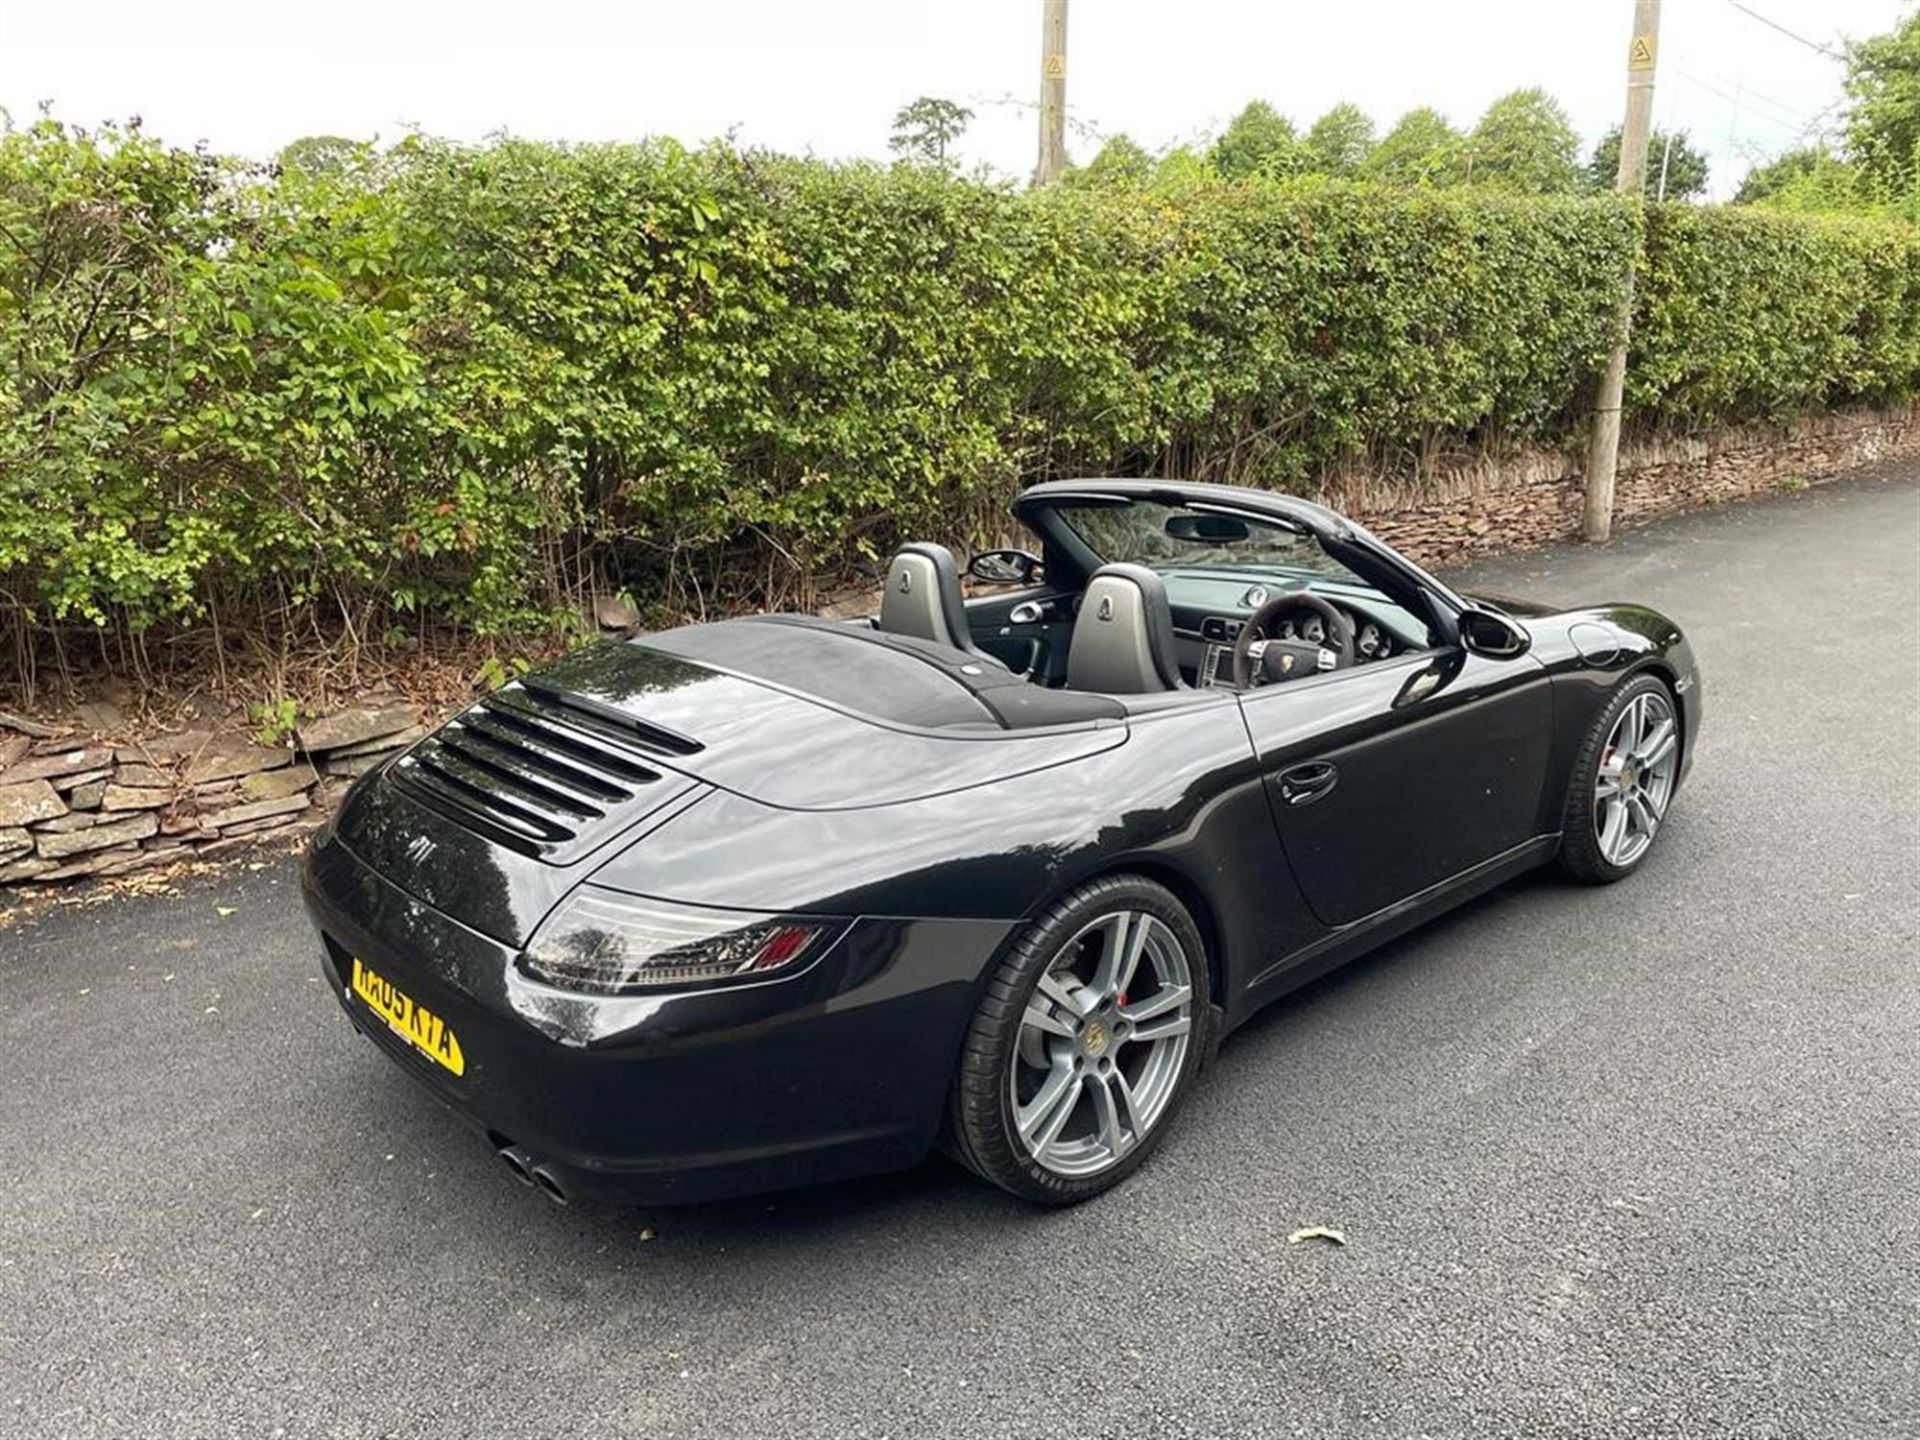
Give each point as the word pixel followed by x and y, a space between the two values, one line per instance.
pixel 1623 780
pixel 1085 1044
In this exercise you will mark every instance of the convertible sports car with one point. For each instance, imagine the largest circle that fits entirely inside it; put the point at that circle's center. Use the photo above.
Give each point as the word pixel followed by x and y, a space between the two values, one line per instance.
pixel 782 899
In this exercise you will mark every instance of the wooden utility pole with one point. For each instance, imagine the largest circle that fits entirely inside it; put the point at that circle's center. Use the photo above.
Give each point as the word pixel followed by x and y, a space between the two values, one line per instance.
pixel 1053 93
pixel 1603 451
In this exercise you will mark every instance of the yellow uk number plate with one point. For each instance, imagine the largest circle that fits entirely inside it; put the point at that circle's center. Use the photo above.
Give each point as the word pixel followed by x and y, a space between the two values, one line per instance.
pixel 413 1023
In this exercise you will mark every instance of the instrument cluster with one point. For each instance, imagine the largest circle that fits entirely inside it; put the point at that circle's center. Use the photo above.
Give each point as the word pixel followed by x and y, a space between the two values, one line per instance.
pixel 1370 641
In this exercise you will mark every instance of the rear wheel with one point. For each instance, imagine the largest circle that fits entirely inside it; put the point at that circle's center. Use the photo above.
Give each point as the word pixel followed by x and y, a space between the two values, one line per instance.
pixel 1085 1044
pixel 1623 780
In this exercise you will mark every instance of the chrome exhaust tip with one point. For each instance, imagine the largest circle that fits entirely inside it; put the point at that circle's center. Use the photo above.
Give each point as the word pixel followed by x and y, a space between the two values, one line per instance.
pixel 544 1182
pixel 518 1161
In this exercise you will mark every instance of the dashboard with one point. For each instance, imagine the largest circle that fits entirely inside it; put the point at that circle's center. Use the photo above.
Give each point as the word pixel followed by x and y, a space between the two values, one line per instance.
pixel 1210 609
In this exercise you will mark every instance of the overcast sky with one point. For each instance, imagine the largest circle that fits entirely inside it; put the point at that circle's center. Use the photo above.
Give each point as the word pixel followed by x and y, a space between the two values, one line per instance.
pixel 827 75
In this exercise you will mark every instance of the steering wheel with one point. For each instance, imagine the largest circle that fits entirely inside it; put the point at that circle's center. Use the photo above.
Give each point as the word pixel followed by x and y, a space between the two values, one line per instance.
pixel 1258 660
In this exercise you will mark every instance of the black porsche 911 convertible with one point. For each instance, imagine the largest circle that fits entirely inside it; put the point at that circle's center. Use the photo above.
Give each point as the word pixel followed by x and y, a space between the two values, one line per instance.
pixel 778 900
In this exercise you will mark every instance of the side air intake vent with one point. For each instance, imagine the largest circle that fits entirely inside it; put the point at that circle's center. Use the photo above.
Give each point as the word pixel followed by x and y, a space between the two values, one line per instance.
pixel 536 770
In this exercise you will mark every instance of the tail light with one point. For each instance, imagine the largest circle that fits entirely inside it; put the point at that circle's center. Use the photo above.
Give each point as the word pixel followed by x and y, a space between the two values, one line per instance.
pixel 604 943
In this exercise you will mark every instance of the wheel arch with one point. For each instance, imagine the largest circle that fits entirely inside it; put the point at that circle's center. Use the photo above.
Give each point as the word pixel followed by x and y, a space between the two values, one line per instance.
pixel 1181 885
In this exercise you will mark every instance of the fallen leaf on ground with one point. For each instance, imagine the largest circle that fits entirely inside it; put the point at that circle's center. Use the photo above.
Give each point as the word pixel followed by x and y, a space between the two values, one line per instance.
pixel 223 910
pixel 1316 1232
pixel 645 1235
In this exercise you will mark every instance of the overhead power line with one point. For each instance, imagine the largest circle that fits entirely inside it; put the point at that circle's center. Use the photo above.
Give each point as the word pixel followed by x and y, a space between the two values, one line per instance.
pixel 1743 100
pixel 1795 109
pixel 1792 35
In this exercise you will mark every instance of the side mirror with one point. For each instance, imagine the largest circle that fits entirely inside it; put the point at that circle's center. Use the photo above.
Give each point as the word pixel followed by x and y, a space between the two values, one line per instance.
pixel 1485 632
pixel 1005 567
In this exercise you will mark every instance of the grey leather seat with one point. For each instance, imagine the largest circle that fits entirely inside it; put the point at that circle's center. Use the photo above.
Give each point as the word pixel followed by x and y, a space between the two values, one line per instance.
pixel 1123 636
pixel 922 598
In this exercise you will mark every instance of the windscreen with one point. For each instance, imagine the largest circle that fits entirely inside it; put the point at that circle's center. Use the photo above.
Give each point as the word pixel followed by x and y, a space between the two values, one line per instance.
pixel 1165 537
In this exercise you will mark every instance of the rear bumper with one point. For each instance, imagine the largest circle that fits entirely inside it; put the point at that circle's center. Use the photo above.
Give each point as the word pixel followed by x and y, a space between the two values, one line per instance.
pixel 840 1071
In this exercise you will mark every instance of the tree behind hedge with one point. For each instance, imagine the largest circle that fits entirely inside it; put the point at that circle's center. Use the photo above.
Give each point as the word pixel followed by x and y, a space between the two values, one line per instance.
pixel 1257 141
pixel 1672 161
pixel 1338 142
pixel 1525 143
pixel 1420 149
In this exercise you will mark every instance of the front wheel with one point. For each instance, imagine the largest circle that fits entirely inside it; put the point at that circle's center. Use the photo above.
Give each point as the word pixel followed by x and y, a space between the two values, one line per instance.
pixel 1086 1042
pixel 1623 780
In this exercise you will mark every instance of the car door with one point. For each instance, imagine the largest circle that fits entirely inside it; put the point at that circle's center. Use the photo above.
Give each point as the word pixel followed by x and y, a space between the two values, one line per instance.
pixel 1390 778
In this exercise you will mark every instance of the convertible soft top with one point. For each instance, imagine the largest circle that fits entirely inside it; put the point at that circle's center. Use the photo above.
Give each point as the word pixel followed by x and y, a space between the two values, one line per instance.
pixel 892 678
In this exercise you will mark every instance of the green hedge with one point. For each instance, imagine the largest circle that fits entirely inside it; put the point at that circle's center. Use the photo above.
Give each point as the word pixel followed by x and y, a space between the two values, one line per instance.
pixel 1750 314
pixel 460 384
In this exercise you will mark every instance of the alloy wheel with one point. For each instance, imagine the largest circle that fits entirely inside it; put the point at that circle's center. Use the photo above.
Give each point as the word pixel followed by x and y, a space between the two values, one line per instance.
pixel 1102 1043
pixel 1635 779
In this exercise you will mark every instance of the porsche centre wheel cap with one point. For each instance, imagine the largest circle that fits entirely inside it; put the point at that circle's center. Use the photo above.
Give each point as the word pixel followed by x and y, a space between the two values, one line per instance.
pixel 1093 1039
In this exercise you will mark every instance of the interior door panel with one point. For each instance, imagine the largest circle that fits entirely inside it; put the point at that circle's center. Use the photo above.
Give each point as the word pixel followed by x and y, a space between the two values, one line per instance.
pixel 1035 646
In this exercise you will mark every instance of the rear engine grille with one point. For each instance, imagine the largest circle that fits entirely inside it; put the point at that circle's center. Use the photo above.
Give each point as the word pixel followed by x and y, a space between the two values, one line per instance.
pixel 536 770
pixel 537 698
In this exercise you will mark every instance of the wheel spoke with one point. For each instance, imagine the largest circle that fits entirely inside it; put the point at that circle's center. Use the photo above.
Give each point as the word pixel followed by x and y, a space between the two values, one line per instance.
pixel 1644 816
pixel 1161 1016
pixel 1164 1029
pixel 1042 1016
pixel 1167 997
pixel 1613 829
pixel 1636 724
pixel 1126 943
pixel 1655 749
pixel 1113 1112
pixel 1041 1119
pixel 1057 990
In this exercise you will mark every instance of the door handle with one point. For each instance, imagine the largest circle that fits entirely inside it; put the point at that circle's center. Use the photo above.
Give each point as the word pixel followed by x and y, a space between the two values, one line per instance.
pixel 1304 784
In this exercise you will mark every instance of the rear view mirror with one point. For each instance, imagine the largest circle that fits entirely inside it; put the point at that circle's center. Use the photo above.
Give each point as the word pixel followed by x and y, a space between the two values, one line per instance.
pixel 1206 529
pixel 1485 632
pixel 1005 567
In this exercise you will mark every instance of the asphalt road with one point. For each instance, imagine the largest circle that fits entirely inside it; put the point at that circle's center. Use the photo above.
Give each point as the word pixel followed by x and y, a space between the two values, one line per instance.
pixel 1640 1161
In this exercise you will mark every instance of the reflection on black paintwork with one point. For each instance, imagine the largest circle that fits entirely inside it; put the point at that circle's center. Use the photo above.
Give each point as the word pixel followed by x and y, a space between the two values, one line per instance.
pixel 622 672
pixel 1187 794
pixel 794 753
pixel 452 869
pixel 1429 678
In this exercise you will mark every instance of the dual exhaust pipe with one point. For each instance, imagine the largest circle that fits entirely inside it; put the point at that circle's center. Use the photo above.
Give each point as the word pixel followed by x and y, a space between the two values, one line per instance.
pixel 529 1171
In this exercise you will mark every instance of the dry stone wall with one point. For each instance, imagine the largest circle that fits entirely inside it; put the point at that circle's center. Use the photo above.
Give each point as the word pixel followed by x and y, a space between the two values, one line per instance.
pixel 1473 508
pixel 72 806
